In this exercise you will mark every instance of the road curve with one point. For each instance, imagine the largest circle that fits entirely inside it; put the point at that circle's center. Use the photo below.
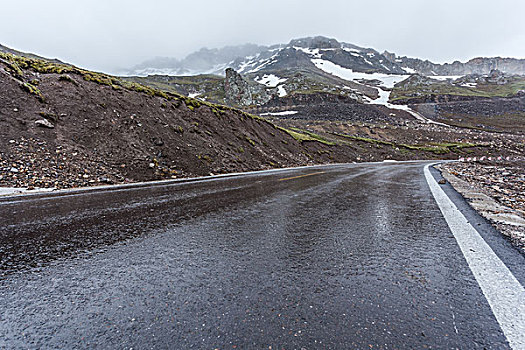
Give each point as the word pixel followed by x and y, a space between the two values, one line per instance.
pixel 345 256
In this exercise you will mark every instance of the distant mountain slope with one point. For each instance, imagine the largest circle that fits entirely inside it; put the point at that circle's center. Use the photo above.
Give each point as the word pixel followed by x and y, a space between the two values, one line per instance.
pixel 204 61
pixel 479 65
pixel 310 68
pixel 264 78
pixel 297 55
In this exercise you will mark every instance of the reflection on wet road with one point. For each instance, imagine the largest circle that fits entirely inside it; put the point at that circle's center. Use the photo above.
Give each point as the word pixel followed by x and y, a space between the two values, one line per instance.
pixel 348 256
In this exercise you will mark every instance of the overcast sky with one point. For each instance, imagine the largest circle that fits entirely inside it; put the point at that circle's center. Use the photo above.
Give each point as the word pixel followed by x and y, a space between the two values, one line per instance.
pixel 109 34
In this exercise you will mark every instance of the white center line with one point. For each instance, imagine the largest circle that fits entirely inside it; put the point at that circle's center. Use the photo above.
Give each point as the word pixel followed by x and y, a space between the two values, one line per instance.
pixel 504 293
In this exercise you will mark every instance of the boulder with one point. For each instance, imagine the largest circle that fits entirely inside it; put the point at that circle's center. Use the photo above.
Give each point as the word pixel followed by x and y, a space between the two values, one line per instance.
pixel 44 123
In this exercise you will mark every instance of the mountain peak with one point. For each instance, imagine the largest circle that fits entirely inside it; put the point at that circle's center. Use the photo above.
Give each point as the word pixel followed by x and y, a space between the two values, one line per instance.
pixel 317 42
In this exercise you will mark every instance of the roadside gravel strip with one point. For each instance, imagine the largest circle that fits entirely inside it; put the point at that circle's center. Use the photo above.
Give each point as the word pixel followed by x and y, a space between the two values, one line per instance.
pixel 504 293
pixel 495 190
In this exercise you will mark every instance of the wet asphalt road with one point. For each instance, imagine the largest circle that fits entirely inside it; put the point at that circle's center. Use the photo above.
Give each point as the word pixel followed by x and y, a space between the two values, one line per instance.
pixel 346 257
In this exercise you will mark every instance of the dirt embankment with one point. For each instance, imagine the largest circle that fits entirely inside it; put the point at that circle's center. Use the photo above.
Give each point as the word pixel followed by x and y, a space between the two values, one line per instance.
pixel 61 130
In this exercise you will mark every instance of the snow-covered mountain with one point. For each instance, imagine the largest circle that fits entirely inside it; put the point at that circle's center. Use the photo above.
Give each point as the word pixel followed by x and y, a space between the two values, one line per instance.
pixel 204 61
pixel 298 54
pixel 252 58
pixel 308 70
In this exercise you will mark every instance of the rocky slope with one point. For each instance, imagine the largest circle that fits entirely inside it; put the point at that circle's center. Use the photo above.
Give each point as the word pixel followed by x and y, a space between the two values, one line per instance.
pixel 63 126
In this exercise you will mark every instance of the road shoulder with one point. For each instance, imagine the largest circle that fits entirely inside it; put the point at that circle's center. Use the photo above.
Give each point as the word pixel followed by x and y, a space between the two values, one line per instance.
pixel 502 289
pixel 509 221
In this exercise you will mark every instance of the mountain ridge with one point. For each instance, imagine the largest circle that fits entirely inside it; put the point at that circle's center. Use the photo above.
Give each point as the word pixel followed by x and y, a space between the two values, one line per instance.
pixel 249 58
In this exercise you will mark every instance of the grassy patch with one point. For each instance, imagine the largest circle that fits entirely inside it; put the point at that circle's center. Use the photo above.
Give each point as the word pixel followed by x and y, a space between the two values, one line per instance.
pixel 179 129
pixel 303 135
pixel 205 158
pixel 12 66
pixel 252 142
pixel 33 90
pixel 436 148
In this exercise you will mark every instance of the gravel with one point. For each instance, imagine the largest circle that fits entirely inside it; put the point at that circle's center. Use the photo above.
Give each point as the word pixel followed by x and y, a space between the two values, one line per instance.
pixel 496 190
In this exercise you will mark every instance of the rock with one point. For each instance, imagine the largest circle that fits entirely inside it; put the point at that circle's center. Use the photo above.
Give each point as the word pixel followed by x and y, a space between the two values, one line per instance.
pixel 105 180
pixel 14 170
pixel 44 123
pixel 497 77
pixel 442 181
pixel 243 93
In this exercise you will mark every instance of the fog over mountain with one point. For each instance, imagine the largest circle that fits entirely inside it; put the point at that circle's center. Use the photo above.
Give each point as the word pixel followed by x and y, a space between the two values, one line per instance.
pixel 112 35
pixel 303 53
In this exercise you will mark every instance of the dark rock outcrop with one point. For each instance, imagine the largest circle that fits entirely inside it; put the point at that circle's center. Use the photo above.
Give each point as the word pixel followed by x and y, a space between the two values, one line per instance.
pixel 240 92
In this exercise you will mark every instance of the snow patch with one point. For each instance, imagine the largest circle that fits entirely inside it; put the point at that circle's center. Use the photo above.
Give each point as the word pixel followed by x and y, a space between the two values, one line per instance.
pixel 245 64
pixel 387 80
pixel 446 77
pixel 280 113
pixel 409 70
pixel 383 98
pixel 282 92
pixel 311 52
pixel 263 63
pixel 194 94
pixel 348 49
pixel 270 80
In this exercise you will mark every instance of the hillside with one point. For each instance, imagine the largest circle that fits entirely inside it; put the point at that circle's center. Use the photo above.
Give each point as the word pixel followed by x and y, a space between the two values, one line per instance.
pixel 67 127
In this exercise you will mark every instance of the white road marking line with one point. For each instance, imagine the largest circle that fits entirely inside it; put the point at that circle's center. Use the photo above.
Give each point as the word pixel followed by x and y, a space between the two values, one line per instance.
pixel 504 293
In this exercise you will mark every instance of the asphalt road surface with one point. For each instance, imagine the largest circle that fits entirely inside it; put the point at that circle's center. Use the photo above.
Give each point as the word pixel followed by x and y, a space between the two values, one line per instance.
pixel 352 256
